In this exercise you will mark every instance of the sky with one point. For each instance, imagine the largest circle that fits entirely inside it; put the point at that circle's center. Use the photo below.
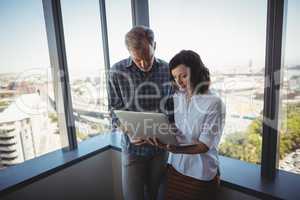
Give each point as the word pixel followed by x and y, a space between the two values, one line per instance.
pixel 226 33
pixel 23 41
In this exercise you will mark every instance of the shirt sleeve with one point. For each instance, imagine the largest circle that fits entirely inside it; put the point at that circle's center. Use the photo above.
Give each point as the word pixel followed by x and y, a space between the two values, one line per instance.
pixel 169 106
pixel 114 97
pixel 213 125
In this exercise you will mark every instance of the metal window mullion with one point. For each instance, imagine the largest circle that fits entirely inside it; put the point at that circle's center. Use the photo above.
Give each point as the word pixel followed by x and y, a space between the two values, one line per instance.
pixel 58 60
pixel 140 12
pixel 275 17
pixel 133 13
pixel 105 44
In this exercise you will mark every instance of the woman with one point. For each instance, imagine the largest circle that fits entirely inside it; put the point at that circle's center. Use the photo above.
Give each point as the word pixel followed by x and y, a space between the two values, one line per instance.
pixel 199 116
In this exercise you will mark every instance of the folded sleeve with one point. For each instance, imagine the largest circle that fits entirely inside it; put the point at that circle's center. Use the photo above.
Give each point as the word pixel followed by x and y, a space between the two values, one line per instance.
pixel 213 125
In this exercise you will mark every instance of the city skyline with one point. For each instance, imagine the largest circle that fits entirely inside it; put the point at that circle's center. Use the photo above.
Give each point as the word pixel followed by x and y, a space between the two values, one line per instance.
pixel 25 33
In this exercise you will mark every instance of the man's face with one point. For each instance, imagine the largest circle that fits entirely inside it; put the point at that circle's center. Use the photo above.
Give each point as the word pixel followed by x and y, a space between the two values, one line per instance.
pixel 143 57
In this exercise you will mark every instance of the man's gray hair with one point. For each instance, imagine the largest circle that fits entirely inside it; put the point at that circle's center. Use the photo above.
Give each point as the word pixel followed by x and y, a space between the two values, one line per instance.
pixel 135 38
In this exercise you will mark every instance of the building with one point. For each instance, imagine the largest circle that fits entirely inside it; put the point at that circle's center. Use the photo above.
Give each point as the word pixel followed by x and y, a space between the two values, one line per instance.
pixel 291 162
pixel 16 141
pixel 21 125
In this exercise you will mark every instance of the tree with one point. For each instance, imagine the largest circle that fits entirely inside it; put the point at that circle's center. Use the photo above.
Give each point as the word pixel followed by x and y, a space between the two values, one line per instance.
pixel 3 103
pixel 247 145
pixel 290 130
pixel 244 145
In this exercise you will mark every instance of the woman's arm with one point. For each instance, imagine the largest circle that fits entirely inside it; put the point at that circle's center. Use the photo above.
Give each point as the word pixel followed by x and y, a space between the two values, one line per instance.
pixel 195 148
pixel 210 135
pixel 190 149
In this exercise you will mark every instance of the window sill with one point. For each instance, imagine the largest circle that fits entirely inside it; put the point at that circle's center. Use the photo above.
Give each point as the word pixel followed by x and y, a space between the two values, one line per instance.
pixel 17 176
pixel 235 174
pixel 245 177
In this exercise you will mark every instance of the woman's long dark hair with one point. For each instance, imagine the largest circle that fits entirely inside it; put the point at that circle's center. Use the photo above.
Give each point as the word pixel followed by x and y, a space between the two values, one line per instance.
pixel 199 74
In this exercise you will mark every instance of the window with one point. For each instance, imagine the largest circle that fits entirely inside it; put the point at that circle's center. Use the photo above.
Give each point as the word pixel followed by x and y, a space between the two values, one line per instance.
pixel 82 29
pixel 28 119
pixel 289 145
pixel 118 24
pixel 230 38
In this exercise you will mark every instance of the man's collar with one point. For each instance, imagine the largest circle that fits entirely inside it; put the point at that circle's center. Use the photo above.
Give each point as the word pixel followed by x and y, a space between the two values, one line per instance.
pixel 130 62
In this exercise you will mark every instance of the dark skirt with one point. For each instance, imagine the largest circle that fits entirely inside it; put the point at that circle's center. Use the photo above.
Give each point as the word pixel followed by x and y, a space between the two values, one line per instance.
pixel 181 187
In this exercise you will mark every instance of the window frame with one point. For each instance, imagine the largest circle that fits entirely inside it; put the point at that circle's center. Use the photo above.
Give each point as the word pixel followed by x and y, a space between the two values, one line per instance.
pixel 276 11
pixel 53 18
pixel 276 17
pixel 140 16
pixel 273 70
pixel 58 60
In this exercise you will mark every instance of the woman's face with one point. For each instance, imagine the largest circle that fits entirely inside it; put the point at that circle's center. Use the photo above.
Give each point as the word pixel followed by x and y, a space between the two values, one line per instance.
pixel 181 77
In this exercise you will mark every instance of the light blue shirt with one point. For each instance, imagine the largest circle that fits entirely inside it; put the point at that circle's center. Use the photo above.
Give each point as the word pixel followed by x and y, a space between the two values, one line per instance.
pixel 201 119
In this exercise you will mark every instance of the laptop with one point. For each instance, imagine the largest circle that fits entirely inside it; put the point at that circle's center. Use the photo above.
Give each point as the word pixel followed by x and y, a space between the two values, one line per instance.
pixel 147 124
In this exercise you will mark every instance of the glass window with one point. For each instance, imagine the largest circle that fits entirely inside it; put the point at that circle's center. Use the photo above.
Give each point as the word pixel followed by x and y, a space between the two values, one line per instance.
pixel 82 28
pixel 229 36
pixel 289 145
pixel 28 119
pixel 119 22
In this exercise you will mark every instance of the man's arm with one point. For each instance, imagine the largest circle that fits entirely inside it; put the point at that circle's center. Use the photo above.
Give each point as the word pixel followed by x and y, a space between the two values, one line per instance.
pixel 169 104
pixel 115 101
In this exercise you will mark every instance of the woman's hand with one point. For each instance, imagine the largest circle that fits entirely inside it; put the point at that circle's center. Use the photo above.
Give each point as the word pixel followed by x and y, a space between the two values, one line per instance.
pixel 155 142
pixel 195 147
pixel 138 141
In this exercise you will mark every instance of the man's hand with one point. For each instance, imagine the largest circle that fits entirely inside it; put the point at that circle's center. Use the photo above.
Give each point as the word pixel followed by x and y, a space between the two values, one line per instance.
pixel 122 128
pixel 153 141
pixel 156 142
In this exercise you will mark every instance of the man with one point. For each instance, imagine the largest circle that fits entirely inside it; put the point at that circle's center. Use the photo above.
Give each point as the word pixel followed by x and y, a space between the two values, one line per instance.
pixel 140 83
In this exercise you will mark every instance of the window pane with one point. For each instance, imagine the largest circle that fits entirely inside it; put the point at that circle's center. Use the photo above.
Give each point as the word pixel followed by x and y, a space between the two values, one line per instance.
pixel 28 119
pixel 119 22
pixel 83 41
pixel 230 36
pixel 289 146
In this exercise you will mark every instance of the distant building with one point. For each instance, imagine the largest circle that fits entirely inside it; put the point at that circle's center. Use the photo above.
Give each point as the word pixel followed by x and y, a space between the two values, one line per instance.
pixel 7 94
pixel 16 142
pixel 21 124
pixel 291 162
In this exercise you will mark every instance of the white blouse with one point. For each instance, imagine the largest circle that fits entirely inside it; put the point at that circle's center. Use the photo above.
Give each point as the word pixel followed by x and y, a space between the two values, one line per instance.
pixel 200 119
